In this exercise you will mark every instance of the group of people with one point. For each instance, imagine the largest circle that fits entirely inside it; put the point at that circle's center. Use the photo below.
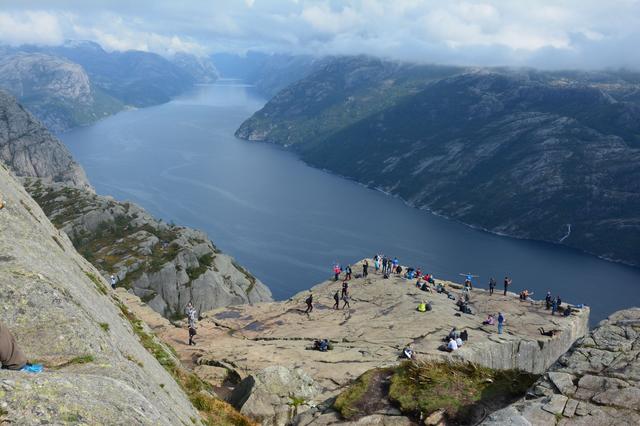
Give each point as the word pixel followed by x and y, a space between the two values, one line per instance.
pixel 456 339
pixel 386 264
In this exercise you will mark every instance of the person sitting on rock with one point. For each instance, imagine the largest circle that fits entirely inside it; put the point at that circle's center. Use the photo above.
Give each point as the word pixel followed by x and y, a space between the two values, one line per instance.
pixel 422 306
pixel 11 356
pixel 549 333
pixel 452 345
pixel 567 311
pixel 321 345
pixel 464 335
pixel 454 333
pixel 459 342
pixel 407 352
pixel 491 320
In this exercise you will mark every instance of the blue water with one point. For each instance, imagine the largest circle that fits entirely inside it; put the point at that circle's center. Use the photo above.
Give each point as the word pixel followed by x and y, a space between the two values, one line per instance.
pixel 288 223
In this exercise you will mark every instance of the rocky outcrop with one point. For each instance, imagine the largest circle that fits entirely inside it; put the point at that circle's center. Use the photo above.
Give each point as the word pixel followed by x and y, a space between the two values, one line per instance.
pixel 382 320
pixel 58 307
pixel 166 265
pixel 56 90
pixel 30 150
pixel 275 395
pixel 597 382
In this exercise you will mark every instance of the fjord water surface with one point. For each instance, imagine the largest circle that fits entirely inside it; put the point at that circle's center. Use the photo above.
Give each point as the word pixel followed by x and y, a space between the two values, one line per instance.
pixel 288 223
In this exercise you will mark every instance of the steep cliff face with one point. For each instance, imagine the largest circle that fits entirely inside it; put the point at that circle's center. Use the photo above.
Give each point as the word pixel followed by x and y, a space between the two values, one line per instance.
pixel 165 265
pixel 540 155
pixel 56 90
pixel 597 382
pixel 58 307
pixel 30 150
pixel 201 69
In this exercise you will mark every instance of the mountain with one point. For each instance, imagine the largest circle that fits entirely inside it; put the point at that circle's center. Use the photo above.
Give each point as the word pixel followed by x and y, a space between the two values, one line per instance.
pixel 166 265
pixel 201 69
pixel 552 156
pixel 269 73
pixel 79 82
pixel 30 150
pixel 55 89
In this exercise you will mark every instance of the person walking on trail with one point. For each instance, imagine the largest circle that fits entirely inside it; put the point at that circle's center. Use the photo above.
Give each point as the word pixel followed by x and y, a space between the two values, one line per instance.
pixel 192 327
pixel 500 322
pixel 365 268
pixel 507 283
pixel 492 285
pixel 113 282
pixel 336 298
pixel 189 310
pixel 309 302
pixel 345 288
pixel 345 299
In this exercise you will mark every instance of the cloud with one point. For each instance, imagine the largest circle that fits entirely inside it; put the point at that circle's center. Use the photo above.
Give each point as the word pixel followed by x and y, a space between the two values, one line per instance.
pixel 30 27
pixel 545 33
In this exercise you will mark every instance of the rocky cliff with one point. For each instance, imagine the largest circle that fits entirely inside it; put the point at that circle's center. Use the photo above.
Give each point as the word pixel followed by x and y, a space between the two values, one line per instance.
pixel 30 150
pixel 166 265
pixel 247 342
pixel 58 307
pixel 201 69
pixel 452 139
pixel 596 383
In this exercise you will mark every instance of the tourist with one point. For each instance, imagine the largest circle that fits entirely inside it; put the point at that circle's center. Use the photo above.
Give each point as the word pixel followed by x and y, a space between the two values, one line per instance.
pixel 558 301
pixel 385 261
pixel 459 342
pixel 422 306
pixel 547 300
pixel 11 357
pixel 336 298
pixel 454 333
pixel 500 322
pixel 345 289
pixel 492 285
pixel 376 262
pixel 507 283
pixel 345 299
pixel 336 272
pixel 452 346
pixel 365 268
pixel 549 333
pixel 490 320
pixel 408 352
pixel 395 263
pixel 398 270
pixel 567 311
pixel 309 302
pixel 113 281
pixel 192 329
pixel 464 335
pixel 321 345
pixel 418 272
pixel 554 306
pixel 348 273
pixel 188 310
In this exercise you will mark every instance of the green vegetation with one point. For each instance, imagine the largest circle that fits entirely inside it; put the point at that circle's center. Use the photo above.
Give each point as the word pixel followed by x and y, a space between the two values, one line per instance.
pixel 214 411
pixel 82 359
pixel 104 326
pixel 204 262
pixel 421 388
pixel 96 281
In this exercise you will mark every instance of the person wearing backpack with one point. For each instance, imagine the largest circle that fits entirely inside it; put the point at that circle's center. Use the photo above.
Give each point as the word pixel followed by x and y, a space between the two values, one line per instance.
pixel 309 302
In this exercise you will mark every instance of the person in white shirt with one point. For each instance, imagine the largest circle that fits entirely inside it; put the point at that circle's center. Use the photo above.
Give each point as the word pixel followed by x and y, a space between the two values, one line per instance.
pixel 459 342
pixel 452 346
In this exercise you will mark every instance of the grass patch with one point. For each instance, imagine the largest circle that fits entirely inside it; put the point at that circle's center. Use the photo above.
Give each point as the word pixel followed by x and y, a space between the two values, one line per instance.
pixel 464 391
pixel 96 281
pixel 82 359
pixel 104 326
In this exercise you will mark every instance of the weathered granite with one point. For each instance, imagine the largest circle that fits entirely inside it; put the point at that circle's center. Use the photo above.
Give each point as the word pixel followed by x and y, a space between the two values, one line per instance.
pixel 382 320
pixel 63 316
pixel 596 383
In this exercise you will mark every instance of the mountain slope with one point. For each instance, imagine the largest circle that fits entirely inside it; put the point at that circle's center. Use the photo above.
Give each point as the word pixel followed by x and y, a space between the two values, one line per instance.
pixel 547 156
pixel 56 90
pixel 30 150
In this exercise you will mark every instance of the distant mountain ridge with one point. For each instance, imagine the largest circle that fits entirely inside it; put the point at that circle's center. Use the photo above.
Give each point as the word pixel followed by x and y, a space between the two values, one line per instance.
pixel 551 156
pixel 103 83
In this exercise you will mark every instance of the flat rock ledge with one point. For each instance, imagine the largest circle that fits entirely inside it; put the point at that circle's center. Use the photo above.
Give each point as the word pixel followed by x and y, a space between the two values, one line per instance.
pixel 382 320
pixel 596 383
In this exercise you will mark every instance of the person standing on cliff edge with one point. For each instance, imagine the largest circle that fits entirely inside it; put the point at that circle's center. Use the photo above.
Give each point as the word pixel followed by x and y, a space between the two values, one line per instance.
pixel 507 283
pixel 492 285
pixel 500 322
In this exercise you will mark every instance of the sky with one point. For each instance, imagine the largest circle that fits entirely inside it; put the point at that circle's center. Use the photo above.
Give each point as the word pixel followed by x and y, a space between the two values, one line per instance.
pixel 539 33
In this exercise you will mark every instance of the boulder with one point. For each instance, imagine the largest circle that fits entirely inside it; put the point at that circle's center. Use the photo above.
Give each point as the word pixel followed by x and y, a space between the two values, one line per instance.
pixel 275 395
